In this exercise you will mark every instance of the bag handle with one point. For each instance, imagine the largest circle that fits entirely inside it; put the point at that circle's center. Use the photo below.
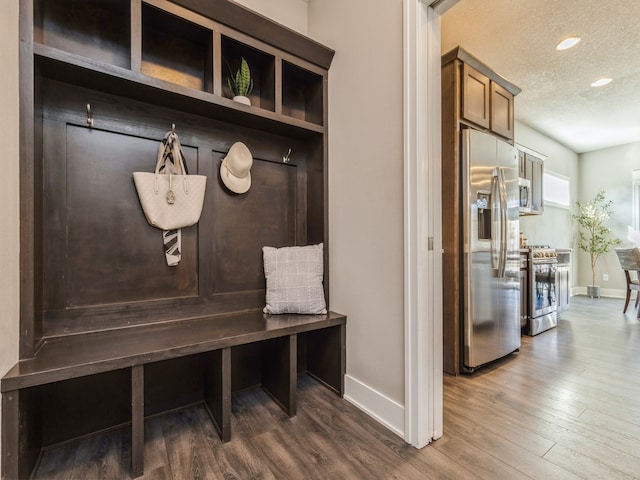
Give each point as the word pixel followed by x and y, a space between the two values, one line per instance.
pixel 178 159
pixel 170 145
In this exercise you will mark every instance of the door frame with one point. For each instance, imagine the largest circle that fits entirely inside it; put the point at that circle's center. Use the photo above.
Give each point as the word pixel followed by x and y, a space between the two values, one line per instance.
pixel 422 220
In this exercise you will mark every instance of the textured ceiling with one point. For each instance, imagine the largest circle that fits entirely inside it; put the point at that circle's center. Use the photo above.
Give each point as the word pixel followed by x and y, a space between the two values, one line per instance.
pixel 517 38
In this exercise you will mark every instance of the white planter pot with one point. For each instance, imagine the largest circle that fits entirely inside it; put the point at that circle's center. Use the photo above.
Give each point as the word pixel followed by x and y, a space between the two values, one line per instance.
pixel 593 291
pixel 242 99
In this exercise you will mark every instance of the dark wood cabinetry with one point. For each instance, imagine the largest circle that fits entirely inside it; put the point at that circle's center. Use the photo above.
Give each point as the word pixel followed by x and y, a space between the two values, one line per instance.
pixel 100 83
pixel 486 100
pixel 472 96
pixel 531 167
pixel 475 98
pixel 501 111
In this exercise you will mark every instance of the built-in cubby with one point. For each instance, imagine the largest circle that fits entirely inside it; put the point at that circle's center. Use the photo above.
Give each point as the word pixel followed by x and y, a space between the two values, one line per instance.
pixel 176 50
pixel 302 94
pixel 96 29
pixel 111 335
pixel 261 65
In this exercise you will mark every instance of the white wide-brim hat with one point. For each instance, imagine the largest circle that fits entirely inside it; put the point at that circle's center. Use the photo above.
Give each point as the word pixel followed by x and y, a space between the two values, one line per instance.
pixel 235 170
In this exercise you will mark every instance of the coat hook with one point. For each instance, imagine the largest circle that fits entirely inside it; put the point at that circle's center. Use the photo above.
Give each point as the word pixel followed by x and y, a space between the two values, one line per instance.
pixel 173 128
pixel 89 117
pixel 287 157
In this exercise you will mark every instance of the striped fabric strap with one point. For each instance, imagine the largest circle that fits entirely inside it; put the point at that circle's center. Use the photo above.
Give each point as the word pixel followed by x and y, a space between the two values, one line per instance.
pixel 172 238
pixel 172 246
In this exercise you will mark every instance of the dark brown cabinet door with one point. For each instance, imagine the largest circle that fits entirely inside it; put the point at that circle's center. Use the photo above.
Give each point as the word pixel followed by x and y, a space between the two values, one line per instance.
pixel 537 172
pixel 501 111
pixel 522 164
pixel 475 96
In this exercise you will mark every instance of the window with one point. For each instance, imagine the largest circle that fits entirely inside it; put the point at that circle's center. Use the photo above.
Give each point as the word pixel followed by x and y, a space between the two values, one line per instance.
pixel 556 191
pixel 635 188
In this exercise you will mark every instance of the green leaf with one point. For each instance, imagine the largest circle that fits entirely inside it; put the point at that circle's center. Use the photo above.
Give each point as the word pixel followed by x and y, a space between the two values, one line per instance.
pixel 241 83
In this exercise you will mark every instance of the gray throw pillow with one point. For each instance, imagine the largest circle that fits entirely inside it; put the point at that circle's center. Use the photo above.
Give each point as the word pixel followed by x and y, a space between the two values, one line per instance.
pixel 294 279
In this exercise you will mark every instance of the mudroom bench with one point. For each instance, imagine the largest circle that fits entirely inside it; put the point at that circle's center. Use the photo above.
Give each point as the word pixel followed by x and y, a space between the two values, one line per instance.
pixel 109 334
pixel 216 355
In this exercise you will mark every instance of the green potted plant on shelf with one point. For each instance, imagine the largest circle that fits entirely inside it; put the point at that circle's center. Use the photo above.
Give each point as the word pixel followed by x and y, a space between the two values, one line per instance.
pixel 241 84
pixel 594 234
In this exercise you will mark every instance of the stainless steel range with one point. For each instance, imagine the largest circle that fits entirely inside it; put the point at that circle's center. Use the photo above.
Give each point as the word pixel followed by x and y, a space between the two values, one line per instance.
pixel 543 302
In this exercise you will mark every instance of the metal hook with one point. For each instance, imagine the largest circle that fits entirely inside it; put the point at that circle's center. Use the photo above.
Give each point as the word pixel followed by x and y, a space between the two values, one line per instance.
pixel 173 128
pixel 287 157
pixel 89 117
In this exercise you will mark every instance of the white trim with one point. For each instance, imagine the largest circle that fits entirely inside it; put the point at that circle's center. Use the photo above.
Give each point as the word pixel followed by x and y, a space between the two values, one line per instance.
pixel 385 410
pixel 604 292
pixel 422 224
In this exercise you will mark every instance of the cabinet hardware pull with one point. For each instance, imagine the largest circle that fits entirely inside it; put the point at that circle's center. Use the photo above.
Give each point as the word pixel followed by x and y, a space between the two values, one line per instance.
pixel 89 117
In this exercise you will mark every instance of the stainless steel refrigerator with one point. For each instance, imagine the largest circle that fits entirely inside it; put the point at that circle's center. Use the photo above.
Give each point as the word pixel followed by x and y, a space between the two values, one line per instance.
pixel 491 255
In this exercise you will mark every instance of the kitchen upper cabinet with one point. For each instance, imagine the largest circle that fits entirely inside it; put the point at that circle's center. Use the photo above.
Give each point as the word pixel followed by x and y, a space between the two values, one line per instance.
pixel 476 96
pixel 501 111
pixel 537 175
pixel 485 102
pixel 531 166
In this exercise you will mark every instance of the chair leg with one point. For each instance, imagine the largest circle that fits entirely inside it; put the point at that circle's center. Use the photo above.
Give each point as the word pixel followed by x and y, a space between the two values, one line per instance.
pixel 637 298
pixel 626 303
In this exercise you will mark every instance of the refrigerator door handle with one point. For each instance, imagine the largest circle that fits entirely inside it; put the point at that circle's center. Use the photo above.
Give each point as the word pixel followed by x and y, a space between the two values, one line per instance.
pixel 496 221
pixel 502 187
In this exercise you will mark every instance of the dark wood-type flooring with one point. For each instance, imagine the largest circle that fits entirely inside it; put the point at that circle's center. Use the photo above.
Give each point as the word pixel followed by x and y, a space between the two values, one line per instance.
pixel 567 406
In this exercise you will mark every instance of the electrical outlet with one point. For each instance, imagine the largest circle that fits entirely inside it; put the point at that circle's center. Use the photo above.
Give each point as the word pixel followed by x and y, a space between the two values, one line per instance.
pixel 605 277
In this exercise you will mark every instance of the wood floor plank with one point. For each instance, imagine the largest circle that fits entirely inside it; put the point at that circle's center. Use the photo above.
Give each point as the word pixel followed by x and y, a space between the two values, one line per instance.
pixel 238 459
pixel 584 466
pixel 497 446
pixel 188 452
pixel 155 448
pixel 483 466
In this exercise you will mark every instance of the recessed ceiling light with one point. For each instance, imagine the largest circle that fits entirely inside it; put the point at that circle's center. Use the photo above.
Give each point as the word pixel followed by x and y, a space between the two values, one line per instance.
pixel 601 82
pixel 568 43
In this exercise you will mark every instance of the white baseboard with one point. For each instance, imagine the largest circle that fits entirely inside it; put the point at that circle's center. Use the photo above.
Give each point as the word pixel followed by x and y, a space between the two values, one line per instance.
pixel 385 410
pixel 604 292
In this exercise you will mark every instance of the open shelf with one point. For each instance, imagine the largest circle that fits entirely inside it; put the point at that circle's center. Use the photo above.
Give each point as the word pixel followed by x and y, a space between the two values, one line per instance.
pixel 60 65
pixel 176 50
pixel 302 94
pixel 97 29
pixel 262 66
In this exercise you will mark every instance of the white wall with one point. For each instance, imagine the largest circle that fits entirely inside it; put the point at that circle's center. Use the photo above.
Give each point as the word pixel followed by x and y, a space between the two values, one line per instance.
pixel 366 194
pixel 9 197
pixel 290 13
pixel 365 187
pixel 609 169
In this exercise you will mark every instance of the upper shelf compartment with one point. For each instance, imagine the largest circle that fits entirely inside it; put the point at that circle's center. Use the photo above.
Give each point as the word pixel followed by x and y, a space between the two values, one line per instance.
pixel 261 65
pixel 176 50
pixel 302 94
pixel 160 52
pixel 97 29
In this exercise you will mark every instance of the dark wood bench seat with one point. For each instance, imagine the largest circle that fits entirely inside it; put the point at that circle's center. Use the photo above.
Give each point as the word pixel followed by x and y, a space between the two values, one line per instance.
pixel 81 355
pixel 62 358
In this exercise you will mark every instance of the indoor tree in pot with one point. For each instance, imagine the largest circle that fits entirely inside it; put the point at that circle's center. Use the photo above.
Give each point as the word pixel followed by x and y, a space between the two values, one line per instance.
pixel 241 84
pixel 593 234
